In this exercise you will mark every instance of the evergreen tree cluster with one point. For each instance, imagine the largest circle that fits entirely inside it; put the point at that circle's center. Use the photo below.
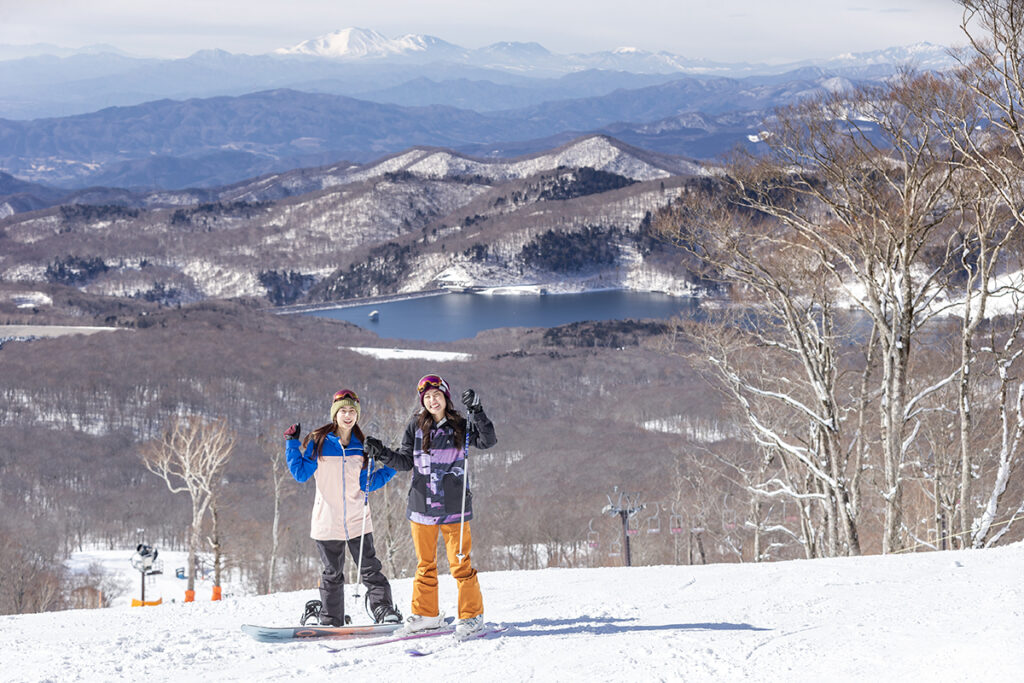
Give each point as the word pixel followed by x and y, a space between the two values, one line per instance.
pixel 285 287
pixel 74 270
pixel 96 212
pixel 385 265
pixel 607 333
pixel 572 252
pixel 239 209
pixel 582 182
pixel 160 293
pixel 478 252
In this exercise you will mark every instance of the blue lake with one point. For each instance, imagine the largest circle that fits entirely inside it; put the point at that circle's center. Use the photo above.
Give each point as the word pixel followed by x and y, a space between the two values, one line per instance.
pixel 447 317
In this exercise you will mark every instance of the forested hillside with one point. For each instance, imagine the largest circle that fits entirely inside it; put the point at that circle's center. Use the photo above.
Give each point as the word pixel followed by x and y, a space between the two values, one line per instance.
pixel 570 408
pixel 416 221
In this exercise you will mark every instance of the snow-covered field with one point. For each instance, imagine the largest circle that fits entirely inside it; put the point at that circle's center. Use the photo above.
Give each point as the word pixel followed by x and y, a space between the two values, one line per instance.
pixel 951 616
pixel 406 354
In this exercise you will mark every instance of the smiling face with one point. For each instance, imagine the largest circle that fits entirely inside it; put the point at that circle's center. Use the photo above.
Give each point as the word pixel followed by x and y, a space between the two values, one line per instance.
pixel 434 401
pixel 346 419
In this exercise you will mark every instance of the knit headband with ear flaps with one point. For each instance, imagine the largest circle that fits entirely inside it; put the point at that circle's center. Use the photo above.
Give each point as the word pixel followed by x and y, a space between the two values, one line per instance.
pixel 345 397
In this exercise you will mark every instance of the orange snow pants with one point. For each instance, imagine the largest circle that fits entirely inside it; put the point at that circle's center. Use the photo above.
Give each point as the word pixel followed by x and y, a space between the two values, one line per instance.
pixel 424 585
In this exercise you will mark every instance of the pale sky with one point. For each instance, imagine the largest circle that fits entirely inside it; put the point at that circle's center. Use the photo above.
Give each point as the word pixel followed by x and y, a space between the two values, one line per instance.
pixel 721 30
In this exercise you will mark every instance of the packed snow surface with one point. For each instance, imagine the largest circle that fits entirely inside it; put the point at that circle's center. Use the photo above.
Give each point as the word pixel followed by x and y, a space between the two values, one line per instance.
pixel 936 616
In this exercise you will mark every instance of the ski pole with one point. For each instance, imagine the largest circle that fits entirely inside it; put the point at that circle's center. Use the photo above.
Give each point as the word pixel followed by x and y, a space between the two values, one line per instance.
pixel 465 478
pixel 366 507
pixel 344 513
pixel 362 534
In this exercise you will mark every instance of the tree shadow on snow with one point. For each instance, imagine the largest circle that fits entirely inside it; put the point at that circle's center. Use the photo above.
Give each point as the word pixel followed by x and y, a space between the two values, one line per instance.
pixel 612 626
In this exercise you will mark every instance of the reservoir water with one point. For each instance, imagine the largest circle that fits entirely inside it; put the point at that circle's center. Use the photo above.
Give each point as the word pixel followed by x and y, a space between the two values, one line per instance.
pixel 451 316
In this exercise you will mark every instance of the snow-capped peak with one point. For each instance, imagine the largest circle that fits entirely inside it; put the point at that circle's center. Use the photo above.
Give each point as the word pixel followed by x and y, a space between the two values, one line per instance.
pixel 360 43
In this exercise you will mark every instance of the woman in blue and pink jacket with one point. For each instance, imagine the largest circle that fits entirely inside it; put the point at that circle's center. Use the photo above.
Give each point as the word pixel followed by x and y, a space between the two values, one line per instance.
pixel 333 456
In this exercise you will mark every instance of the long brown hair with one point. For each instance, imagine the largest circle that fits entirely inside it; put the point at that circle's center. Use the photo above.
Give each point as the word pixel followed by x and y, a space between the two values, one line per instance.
pixel 319 435
pixel 425 421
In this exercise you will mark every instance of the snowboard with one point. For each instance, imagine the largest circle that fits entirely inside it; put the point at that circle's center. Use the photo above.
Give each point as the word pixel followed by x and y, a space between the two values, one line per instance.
pixel 275 634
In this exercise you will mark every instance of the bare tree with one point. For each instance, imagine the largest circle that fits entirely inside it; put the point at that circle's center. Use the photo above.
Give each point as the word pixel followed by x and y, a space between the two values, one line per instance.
pixel 215 544
pixel 985 124
pixel 1010 404
pixel 190 457
pixel 781 363
pixel 279 475
pixel 858 187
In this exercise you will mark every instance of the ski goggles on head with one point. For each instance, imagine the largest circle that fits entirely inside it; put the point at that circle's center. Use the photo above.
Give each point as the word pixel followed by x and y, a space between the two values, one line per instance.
pixel 432 382
pixel 345 393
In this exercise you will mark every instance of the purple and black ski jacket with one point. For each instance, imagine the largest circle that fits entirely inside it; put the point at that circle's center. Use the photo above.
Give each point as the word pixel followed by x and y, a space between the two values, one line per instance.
pixel 435 495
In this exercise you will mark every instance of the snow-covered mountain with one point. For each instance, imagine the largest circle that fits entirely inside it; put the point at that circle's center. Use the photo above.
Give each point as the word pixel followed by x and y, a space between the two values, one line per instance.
pixel 412 199
pixel 360 44
pixel 925 56
pixel 936 616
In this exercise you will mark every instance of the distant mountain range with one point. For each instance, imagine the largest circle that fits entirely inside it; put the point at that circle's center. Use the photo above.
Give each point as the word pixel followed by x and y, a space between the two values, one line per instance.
pixel 361 45
pixel 173 144
pixel 100 118
pixel 48 82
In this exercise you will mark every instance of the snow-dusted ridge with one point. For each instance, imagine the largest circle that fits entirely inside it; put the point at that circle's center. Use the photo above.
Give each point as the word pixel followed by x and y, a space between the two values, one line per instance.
pixel 599 152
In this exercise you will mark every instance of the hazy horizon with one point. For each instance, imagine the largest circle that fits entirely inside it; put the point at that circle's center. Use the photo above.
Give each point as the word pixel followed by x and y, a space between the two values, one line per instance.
pixel 731 30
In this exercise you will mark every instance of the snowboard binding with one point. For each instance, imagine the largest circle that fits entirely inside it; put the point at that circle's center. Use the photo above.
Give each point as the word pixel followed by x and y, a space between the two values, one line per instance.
pixel 311 613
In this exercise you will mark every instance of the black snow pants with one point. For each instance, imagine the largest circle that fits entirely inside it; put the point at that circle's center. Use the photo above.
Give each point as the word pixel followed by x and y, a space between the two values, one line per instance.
pixel 332 580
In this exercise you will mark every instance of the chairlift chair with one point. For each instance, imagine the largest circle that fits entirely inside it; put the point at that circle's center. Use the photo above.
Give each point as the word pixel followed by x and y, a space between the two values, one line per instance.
pixel 654 521
pixel 616 548
pixel 675 521
pixel 592 536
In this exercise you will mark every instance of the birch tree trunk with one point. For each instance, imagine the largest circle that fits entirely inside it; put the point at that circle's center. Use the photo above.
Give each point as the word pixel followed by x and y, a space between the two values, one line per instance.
pixel 190 457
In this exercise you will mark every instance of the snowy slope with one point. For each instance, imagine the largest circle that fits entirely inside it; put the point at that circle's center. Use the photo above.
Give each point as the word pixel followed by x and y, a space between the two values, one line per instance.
pixel 952 616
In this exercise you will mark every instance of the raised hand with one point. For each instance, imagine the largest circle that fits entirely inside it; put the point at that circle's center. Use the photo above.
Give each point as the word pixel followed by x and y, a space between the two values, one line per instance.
pixel 471 400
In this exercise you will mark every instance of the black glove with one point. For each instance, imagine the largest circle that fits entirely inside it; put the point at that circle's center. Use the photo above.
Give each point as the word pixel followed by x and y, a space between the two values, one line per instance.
pixel 293 432
pixel 373 448
pixel 471 399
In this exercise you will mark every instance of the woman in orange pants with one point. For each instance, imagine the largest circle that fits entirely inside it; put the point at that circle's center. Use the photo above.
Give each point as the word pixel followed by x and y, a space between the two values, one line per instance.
pixel 435 446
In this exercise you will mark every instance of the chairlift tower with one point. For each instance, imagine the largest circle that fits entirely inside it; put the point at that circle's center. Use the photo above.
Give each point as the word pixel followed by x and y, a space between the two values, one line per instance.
pixel 625 506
